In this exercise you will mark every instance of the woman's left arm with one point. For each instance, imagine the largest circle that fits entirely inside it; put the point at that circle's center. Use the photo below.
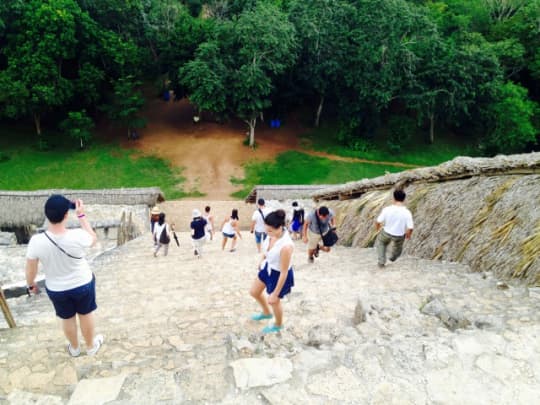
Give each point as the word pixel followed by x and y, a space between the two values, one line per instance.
pixel 284 261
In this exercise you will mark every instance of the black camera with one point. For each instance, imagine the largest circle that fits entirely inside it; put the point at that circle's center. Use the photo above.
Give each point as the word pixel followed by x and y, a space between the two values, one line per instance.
pixel 72 205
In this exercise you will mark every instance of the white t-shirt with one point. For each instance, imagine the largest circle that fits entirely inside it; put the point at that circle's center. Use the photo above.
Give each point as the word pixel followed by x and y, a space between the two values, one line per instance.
pixel 228 228
pixel 208 218
pixel 259 220
pixel 61 271
pixel 273 256
pixel 396 219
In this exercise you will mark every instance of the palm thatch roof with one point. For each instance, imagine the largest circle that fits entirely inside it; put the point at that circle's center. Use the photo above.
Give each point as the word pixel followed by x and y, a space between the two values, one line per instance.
pixel 22 208
pixel 458 168
pixel 283 192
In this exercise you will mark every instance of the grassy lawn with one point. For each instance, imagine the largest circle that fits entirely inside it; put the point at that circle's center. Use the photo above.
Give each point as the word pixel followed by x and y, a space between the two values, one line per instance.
pixel 417 152
pixel 299 168
pixel 99 166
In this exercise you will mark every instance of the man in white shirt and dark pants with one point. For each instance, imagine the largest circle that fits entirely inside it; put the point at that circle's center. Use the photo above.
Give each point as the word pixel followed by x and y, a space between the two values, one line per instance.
pixel 397 223
pixel 257 223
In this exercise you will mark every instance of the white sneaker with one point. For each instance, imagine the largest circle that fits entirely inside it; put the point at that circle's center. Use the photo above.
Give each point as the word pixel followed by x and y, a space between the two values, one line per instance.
pixel 73 352
pixel 98 341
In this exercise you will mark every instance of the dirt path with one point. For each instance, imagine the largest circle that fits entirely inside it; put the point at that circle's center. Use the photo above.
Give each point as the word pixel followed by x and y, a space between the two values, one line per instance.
pixel 212 153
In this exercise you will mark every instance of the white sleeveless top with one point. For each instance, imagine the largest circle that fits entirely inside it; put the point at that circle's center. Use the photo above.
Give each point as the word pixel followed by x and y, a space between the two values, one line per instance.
pixel 273 256
pixel 228 228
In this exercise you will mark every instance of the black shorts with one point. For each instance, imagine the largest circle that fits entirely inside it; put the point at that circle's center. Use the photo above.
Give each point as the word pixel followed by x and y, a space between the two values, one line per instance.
pixel 79 300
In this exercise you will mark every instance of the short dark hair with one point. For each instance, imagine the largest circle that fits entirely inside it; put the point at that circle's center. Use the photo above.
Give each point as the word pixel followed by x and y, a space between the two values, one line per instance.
pixel 295 204
pixel 399 195
pixel 260 201
pixel 324 211
pixel 234 214
pixel 207 209
pixel 56 207
pixel 275 219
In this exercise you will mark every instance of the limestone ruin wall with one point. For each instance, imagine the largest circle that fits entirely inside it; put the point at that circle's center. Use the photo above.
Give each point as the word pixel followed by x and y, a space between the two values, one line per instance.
pixel 483 212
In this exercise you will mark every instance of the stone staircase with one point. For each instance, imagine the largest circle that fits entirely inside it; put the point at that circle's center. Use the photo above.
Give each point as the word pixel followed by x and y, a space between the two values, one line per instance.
pixel 177 330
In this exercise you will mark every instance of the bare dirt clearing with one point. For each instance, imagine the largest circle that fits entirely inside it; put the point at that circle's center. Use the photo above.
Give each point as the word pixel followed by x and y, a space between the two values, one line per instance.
pixel 212 153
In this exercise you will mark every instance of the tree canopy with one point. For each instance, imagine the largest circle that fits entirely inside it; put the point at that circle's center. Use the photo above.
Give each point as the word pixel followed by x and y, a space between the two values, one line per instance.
pixel 359 64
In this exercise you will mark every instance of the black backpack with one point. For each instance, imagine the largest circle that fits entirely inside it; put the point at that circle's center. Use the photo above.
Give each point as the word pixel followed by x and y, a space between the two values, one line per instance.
pixel 163 237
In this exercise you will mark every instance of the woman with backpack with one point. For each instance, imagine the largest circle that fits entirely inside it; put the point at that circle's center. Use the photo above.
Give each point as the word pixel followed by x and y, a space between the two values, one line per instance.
pixel 162 235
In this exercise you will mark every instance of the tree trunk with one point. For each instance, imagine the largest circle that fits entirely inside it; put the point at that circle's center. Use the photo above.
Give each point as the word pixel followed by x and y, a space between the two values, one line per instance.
pixel 319 111
pixel 431 128
pixel 37 123
pixel 252 122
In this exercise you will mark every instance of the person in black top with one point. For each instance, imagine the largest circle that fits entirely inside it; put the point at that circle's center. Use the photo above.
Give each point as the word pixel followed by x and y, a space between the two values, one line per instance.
pixel 198 235
pixel 297 221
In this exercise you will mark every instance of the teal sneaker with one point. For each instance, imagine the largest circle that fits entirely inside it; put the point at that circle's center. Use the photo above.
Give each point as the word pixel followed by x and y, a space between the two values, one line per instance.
pixel 272 329
pixel 261 317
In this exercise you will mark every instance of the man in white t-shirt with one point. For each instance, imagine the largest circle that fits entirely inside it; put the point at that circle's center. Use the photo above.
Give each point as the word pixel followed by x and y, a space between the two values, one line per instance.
pixel 397 223
pixel 257 222
pixel 69 282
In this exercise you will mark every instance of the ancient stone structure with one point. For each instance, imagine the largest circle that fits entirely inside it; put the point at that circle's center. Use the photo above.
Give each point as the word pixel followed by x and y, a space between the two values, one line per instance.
pixel 483 212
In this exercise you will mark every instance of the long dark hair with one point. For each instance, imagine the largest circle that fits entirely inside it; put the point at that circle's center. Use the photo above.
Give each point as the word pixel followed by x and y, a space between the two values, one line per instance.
pixel 161 219
pixel 234 214
pixel 275 219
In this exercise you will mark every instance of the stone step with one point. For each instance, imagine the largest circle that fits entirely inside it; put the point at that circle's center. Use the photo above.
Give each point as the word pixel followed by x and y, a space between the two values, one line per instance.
pixel 177 329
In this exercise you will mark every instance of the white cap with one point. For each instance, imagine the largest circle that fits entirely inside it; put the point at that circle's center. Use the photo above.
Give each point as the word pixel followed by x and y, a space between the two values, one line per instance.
pixel 196 213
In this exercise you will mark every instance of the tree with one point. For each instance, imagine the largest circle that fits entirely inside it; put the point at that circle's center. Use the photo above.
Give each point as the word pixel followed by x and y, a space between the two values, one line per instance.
pixel 511 116
pixel 55 55
pixel 450 78
pixel 381 59
pixel 127 104
pixel 205 78
pixel 42 40
pixel 265 41
pixel 241 64
pixel 323 28
pixel 78 125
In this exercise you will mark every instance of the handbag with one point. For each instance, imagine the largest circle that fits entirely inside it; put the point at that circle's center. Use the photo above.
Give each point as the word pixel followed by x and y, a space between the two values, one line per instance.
pixel 164 239
pixel 329 238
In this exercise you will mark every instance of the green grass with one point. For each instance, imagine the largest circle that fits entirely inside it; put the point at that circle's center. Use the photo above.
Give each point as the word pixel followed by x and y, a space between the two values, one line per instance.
pixel 99 166
pixel 418 151
pixel 299 168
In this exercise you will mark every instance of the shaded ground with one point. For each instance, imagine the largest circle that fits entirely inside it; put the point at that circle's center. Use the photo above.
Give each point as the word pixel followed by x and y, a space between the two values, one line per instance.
pixel 212 153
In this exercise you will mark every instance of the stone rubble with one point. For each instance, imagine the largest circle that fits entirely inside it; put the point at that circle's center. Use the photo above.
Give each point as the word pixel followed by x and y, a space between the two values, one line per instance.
pixel 178 330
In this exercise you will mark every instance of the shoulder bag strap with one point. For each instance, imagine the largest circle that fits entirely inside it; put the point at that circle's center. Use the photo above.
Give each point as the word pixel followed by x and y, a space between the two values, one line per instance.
pixel 62 250
pixel 318 221
pixel 262 215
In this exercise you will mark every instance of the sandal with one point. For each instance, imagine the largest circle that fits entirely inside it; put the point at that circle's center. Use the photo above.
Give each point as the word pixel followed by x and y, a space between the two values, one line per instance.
pixel 261 317
pixel 272 329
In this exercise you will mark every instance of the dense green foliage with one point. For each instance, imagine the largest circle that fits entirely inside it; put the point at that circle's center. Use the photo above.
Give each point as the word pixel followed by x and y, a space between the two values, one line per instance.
pixel 469 66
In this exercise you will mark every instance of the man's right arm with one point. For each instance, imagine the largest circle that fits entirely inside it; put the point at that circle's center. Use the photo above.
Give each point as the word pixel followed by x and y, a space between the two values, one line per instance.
pixel 305 230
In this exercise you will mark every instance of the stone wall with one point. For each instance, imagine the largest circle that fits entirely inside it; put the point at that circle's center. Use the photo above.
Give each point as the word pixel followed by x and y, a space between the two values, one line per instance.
pixel 491 223
pixel 22 208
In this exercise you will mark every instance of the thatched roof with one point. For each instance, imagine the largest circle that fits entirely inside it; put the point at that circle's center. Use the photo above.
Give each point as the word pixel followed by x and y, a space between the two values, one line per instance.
pixel 458 168
pixel 22 208
pixel 280 193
